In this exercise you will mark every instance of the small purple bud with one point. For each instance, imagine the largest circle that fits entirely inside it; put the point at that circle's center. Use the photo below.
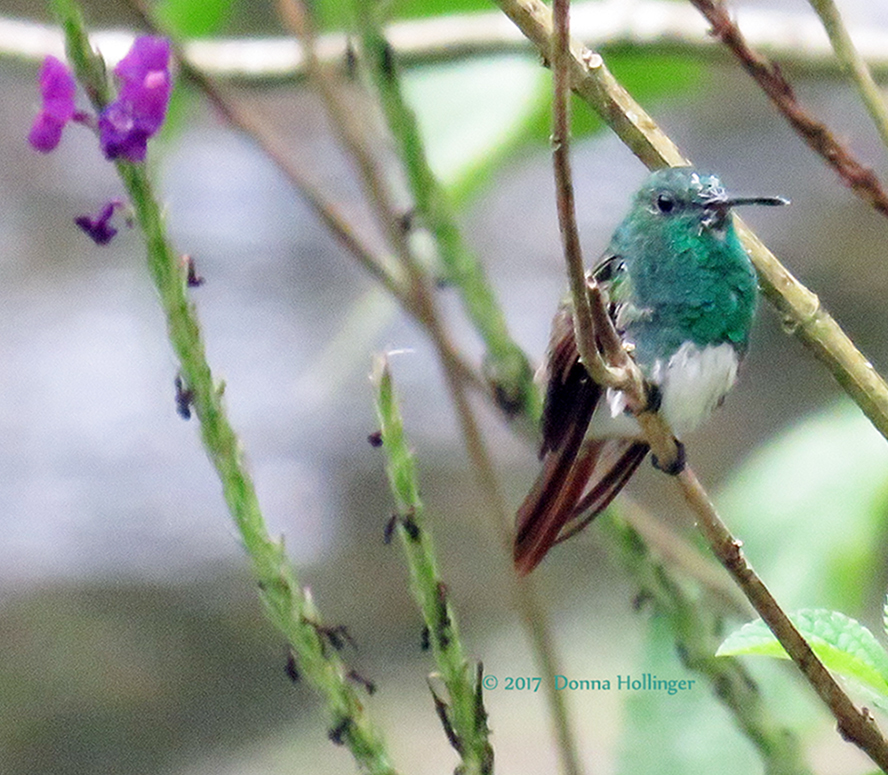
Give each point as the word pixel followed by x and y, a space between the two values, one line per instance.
pixel 99 229
pixel 57 90
pixel 126 125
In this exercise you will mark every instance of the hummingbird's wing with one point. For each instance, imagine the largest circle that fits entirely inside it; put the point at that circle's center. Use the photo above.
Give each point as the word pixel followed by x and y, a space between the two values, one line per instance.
pixel 579 477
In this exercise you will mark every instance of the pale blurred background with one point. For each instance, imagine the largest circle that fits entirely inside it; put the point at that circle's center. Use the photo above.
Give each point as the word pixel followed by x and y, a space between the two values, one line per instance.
pixel 131 640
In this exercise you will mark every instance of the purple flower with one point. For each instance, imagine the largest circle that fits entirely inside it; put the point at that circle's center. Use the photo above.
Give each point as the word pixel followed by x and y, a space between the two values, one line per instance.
pixel 99 229
pixel 126 124
pixel 57 90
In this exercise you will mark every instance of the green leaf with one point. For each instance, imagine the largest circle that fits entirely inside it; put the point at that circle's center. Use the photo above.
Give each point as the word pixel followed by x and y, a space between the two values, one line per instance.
pixel 194 18
pixel 810 508
pixel 843 645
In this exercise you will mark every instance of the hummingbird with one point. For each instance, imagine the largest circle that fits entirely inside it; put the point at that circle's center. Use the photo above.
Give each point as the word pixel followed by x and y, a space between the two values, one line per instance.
pixel 681 292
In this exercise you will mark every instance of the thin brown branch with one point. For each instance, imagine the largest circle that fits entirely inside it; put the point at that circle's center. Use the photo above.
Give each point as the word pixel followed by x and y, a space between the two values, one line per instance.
pixel 584 323
pixel 600 369
pixel 817 135
pixel 600 347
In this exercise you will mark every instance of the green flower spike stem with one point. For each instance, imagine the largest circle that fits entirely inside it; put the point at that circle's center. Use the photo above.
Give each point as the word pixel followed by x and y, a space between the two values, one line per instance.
pixel 463 716
pixel 286 603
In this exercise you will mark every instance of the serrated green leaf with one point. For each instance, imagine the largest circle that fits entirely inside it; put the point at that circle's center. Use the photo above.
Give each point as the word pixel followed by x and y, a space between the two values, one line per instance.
pixel 843 644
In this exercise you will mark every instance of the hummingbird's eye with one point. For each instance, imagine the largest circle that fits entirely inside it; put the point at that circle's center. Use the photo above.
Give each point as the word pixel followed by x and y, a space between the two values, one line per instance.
pixel 665 203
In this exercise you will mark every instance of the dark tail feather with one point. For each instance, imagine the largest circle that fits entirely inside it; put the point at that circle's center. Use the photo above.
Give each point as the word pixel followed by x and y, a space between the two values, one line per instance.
pixel 547 507
pixel 571 490
pixel 598 498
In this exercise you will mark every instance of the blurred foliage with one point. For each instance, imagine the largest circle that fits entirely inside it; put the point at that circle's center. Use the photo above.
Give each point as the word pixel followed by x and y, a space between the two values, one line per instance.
pixel 479 115
pixel 123 678
pixel 194 18
pixel 476 114
pixel 102 670
pixel 334 14
pixel 689 731
pixel 821 485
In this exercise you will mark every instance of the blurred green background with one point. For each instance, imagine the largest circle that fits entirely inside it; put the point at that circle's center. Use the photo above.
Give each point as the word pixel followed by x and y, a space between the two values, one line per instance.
pixel 131 640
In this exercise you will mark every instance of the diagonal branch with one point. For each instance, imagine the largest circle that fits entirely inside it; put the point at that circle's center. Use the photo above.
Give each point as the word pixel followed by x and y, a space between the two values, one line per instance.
pixel 854 725
pixel 697 631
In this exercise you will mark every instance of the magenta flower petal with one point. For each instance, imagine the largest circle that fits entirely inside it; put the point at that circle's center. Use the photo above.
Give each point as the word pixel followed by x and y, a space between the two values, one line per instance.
pixel 57 90
pixel 147 54
pixel 126 124
pixel 46 132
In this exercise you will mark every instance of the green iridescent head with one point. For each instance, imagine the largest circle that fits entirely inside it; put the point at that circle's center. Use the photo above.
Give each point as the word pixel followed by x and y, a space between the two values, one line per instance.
pixel 687 273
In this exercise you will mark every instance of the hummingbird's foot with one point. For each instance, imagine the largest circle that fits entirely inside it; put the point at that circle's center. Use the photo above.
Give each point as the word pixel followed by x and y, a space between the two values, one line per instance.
pixel 677 465
pixel 654 397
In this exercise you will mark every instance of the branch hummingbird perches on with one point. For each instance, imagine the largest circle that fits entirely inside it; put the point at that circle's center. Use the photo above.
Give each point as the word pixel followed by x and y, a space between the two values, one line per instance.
pixel 609 366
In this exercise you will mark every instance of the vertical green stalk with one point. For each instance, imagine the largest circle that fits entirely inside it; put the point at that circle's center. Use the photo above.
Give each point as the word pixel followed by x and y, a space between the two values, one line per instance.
pixel 287 604
pixel 464 716
pixel 853 64
pixel 506 364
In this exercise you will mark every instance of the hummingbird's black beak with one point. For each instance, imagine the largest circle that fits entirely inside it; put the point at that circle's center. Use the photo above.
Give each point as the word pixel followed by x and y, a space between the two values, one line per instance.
pixel 717 208
pixel 768 201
